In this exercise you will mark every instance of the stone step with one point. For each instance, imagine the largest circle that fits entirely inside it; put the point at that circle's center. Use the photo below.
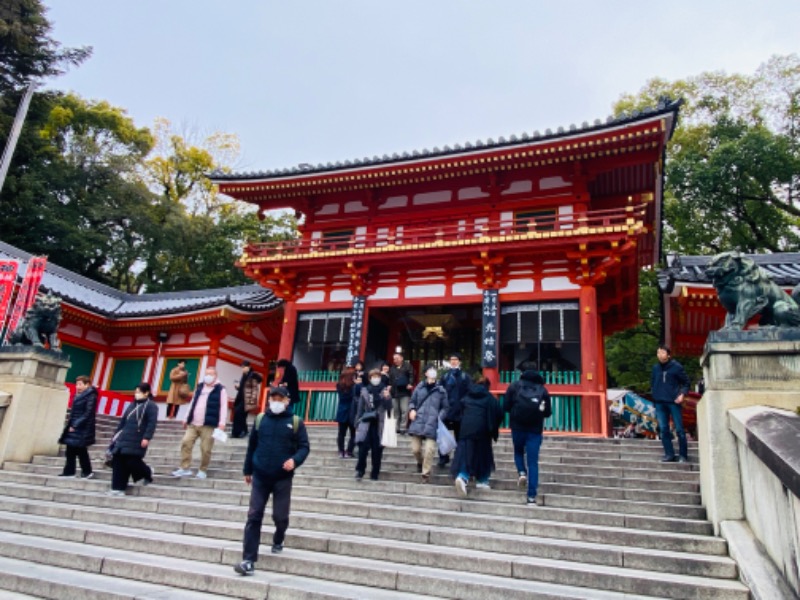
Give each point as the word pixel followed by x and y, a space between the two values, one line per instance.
pixel 38 580
pixel 512 495
pixel 518 577
pixel 323 514
pixel 125 570
pixel 409 468
pixel 486 503
pixel 73 525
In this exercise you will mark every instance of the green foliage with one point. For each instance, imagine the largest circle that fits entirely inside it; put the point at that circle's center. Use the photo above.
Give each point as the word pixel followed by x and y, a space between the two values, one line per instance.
pixel 27 52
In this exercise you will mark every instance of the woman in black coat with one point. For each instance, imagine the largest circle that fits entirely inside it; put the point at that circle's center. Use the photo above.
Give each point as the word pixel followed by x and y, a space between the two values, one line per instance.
pixel 345 411
pixel 79 432
pixel 133 435
pixel 290 380
pixel 372 406
pixel 480 425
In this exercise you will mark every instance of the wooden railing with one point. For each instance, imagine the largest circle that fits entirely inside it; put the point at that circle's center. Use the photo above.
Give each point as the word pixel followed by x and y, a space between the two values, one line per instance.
pixel 450 232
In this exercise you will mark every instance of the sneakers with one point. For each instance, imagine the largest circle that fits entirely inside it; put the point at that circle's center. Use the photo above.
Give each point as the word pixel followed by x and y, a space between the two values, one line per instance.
pixel 115 493
pixel 277 548
pixel 88 476
pixel 523 480
pixel 147 481
pixel 666 459
pixel 66 475
pixel 245 568
pixel 532 501
pixel 349 455
pixel 426 478
pixel 201 475
pixel 182 472
pixel 483 485
pixel 461 486
pixel 341 454
pixel 359 476
pixel 682 459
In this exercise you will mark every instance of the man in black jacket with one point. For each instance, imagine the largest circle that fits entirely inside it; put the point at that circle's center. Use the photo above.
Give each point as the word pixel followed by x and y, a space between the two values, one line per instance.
pixel 278 445
pixel 401 378
pixel 668 384
pixel 528 404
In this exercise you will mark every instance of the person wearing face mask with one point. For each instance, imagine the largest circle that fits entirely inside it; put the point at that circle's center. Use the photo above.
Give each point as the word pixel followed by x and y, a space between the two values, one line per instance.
pixel 134 432
pixel 277 446
pixel 373 404
pixel 208 411
pixel 428 404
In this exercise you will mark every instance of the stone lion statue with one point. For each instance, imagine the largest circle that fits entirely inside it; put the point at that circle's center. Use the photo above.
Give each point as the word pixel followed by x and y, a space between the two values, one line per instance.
pixel 40 323
pixel 745 291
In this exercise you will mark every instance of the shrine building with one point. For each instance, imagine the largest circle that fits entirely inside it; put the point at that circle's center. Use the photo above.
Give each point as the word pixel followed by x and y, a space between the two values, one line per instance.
pixel 509 251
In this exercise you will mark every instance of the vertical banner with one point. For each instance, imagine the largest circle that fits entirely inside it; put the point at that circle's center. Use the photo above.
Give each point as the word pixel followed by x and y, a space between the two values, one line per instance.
pixel 27 293
pixel 356 329
pixel 8 277
pixel 490 337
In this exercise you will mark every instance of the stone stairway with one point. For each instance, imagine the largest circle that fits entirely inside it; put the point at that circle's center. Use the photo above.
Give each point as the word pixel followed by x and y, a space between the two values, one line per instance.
pixel 615 524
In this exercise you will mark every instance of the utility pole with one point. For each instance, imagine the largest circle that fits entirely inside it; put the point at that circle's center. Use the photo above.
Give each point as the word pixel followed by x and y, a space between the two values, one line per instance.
pixel 16 128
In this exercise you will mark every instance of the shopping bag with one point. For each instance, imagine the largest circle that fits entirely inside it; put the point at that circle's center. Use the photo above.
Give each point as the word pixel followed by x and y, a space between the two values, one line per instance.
pixel 220 435
pixel 444 439
pixel 389 436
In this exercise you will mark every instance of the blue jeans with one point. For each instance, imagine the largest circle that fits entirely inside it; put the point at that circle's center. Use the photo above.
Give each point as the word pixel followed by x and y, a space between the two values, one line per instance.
pixel 527 442
pixel 663 412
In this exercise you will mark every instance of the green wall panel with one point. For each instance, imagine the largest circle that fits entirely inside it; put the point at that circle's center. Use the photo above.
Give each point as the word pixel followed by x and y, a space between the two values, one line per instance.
pixel 127 374
pixel 82 361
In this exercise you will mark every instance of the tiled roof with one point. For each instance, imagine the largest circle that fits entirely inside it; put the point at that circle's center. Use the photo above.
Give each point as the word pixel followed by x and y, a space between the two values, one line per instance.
pixel 104 300
pixel 664 106
pixel 782 268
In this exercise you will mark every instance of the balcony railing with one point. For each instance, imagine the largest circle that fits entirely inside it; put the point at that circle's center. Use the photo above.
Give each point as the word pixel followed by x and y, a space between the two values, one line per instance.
pixel 411 236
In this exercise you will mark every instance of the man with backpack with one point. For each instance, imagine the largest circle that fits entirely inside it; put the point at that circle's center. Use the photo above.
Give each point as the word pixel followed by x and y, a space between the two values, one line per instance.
pixel 278 444
pixel 528 404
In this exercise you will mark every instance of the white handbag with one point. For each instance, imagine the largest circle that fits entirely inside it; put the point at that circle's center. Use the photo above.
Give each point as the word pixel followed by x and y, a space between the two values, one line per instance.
pixel 389 436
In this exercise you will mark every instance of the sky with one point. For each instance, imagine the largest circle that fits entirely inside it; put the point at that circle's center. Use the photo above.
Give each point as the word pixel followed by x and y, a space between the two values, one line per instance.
pixel 317 81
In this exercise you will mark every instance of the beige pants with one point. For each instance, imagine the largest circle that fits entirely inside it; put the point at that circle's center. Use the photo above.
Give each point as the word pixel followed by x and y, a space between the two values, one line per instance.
pixel 205 433
pixel 425 451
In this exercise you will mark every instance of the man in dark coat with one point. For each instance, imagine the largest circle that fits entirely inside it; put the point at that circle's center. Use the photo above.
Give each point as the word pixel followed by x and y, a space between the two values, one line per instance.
pixel 456 383
pixel 278 445
pixel 290 380
pixel 246 401
pixel 668 384
pixel 79 433
pixel 401 379
pixel 528 404
pixel 428 404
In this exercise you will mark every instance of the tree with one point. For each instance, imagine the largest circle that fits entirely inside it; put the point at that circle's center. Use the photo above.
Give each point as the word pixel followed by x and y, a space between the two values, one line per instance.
pixel 733 164
pixel 27 52
pixel 201 234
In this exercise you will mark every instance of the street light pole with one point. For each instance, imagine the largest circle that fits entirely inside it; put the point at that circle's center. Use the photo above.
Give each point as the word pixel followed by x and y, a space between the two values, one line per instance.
pixel 16 128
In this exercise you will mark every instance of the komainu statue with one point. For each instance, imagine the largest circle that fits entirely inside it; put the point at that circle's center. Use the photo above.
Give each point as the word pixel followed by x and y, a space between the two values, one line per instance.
pixel 745 291
pixel 40 323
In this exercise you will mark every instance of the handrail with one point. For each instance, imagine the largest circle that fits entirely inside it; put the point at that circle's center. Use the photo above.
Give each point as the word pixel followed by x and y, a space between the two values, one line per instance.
pixel 447 231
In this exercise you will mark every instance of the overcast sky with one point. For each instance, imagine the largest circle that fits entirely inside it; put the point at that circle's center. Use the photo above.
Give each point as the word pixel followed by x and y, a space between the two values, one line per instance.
pixel 327 80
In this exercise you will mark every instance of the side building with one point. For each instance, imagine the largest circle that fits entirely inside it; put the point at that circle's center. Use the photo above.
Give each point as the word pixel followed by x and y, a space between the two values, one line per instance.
pixel 520 250
pixel 121 339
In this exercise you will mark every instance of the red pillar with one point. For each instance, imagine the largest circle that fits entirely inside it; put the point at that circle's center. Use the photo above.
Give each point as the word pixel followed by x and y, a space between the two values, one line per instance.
pixel 592 410
pixel 286 346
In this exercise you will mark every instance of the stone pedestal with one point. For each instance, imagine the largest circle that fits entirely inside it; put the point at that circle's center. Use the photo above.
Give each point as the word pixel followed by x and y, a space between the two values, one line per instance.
pixel 32 381
pixel 741 368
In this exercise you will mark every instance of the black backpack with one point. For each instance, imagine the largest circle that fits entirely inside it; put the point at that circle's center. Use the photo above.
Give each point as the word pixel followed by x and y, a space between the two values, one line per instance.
pixel 526 403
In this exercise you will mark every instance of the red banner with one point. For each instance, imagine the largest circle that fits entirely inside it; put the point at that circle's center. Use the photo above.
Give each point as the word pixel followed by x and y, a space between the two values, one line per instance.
pixel 8 277
pixel 27 293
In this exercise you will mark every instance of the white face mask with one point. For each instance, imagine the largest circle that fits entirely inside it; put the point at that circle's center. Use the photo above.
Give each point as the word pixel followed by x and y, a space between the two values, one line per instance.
pixel 140 396
pixel 430 374
pixel 209 379
pixel 276 407
pixel 375 380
